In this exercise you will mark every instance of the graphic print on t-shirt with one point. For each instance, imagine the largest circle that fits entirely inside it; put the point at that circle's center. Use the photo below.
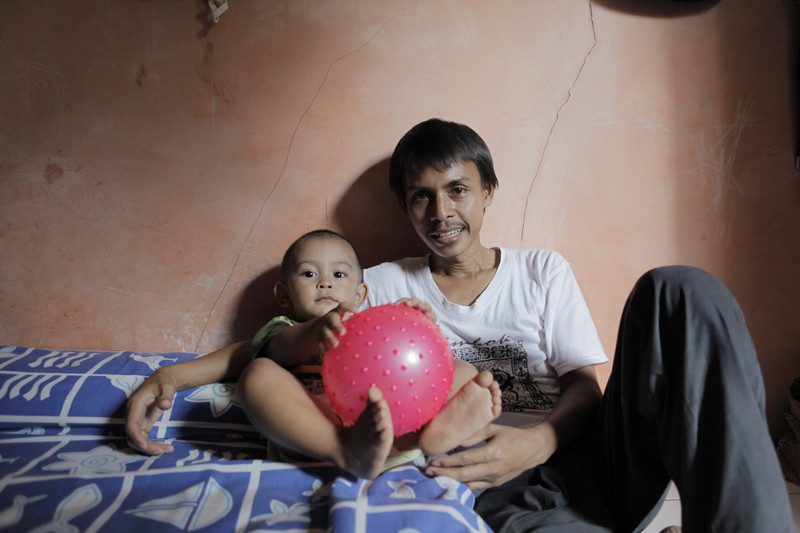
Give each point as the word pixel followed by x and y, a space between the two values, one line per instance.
pixel 507 360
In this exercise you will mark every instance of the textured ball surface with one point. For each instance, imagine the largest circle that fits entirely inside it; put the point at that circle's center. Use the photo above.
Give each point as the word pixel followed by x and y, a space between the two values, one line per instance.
pixel 399 350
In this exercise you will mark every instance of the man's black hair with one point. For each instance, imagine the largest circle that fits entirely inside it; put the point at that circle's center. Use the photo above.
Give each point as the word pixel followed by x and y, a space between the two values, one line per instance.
pixel 438 144
pixel 290 256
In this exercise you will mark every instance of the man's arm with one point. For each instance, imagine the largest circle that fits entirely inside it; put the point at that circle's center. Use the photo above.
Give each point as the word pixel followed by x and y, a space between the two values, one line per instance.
pixel 509 451
pixel 155 395
pixel 580 396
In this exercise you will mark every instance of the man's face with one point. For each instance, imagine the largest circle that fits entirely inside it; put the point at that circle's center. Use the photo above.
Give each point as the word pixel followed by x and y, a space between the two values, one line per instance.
pixel 324 274
pixel 446 208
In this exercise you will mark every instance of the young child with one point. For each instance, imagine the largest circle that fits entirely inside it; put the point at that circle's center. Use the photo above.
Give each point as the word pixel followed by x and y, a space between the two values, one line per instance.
pixel 321 281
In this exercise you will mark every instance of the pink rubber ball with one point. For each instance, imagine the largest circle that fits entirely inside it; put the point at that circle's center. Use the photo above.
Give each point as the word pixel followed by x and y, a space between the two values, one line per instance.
pixel 399 350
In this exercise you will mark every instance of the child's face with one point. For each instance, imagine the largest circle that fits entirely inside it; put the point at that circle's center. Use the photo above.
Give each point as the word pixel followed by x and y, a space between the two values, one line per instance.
pixel 324 275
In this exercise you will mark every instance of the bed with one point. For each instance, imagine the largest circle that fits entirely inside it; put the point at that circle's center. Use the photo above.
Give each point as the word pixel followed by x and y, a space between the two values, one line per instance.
pixel 65 464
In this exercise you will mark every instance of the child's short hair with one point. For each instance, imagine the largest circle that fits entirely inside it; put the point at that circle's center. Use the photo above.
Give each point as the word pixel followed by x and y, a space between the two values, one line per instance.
pixel 439 144
pixel 290 256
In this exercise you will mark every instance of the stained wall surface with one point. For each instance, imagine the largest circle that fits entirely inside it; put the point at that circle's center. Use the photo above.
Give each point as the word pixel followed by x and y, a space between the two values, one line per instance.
pixel 154 166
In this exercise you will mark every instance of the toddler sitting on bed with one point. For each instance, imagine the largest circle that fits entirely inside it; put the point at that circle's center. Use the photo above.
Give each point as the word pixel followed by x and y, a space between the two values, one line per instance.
pixel 281 389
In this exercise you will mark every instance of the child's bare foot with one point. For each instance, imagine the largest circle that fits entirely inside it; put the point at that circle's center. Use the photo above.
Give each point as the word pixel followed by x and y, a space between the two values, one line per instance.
pixel 366 444
pixel 497 395
pixel 477 403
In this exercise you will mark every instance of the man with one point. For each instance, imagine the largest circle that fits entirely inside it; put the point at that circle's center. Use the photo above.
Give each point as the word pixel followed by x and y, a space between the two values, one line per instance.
pixel 685 400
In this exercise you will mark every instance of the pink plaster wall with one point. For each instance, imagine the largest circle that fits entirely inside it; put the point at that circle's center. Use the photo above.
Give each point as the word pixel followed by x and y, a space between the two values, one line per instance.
pixel 154 167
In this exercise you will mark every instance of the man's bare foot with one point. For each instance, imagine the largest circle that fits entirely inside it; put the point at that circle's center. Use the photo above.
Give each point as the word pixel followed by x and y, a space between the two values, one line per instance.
pixel 477 403
pixel 366 444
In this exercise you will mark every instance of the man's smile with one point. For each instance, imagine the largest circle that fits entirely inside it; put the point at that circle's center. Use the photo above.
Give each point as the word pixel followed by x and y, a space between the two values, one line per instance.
pixel 446 236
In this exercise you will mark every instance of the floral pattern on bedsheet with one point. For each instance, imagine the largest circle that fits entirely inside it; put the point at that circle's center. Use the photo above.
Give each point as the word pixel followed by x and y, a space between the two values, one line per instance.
pixel 65 463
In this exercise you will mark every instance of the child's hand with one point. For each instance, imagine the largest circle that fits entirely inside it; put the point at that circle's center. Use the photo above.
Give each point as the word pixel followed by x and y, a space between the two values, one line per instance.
pixel 416 303
pixel 145 406
pixel 329 327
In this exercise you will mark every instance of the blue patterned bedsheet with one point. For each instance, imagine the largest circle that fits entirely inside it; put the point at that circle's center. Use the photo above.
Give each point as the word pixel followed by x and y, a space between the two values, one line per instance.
pixel 65 464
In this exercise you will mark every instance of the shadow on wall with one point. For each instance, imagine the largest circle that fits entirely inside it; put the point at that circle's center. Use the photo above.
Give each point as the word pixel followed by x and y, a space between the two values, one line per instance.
pixel 369 215
pixel 257 305
pixel 658 8
pixel 762 257
pixel 752 233
pixel 793 29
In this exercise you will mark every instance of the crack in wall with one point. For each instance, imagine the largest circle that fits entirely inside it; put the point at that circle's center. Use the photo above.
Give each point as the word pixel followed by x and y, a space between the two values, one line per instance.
pixel 555 123
pixel 26 268
pixel 216 89
pixel 286 163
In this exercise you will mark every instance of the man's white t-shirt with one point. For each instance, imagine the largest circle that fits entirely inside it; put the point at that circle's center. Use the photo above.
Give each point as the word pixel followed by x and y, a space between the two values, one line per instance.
pixel 529 326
